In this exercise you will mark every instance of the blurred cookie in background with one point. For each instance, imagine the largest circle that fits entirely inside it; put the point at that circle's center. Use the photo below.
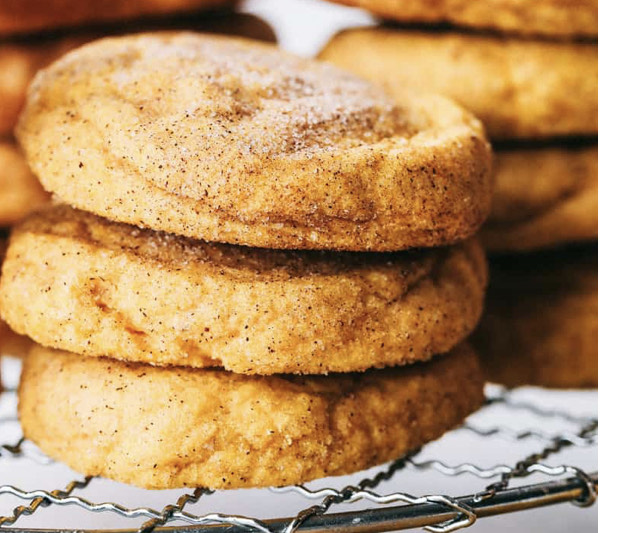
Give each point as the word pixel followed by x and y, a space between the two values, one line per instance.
pixel 543 197
pixel 19 61
pixel 20 191
pixel 27 16
pixel 557 18
pixel 519 88
pixel 540 322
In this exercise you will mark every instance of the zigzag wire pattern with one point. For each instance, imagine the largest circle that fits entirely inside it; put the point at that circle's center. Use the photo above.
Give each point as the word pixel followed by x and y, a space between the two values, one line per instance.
pixel 584 436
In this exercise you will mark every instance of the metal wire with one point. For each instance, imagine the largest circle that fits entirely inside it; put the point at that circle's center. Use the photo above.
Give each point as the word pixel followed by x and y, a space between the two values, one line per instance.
pixel 387 509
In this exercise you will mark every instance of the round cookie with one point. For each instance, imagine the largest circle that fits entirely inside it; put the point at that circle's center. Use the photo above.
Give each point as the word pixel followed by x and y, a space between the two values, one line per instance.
pixel 78 282
pixel 20 190
pixel 21 58
pixel 165 428
pixel 25 16
pixel 554 18
pixel 520 89
pixel 540 321
pixel 228 140
pixel 543 197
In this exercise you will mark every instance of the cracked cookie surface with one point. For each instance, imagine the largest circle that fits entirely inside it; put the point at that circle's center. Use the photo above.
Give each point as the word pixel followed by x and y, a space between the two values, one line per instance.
pixel 173 427
pixel 228 140
pixel 78 282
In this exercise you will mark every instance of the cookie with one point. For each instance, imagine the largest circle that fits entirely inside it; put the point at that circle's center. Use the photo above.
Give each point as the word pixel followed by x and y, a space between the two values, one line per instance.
pixel 520 89
pixel 173 427
pixel 20 192
pixel 21 58
pixel 11 343
pixel 19 62
pixel 540 322
pixel 551 18
pixel 78 282
pixel 228 140
pixel 544 197
pixel 25 16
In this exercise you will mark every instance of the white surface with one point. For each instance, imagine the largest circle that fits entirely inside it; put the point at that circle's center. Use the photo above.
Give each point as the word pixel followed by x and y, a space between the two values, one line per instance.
pixel 303 26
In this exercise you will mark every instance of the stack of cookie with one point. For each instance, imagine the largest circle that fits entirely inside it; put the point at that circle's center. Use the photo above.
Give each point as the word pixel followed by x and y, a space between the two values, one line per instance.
pixel 169 359
pixel 529 71
pixel 33 34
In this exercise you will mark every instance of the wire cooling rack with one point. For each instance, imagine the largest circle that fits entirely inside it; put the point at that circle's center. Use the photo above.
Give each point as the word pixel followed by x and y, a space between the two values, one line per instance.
pixel 549 456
